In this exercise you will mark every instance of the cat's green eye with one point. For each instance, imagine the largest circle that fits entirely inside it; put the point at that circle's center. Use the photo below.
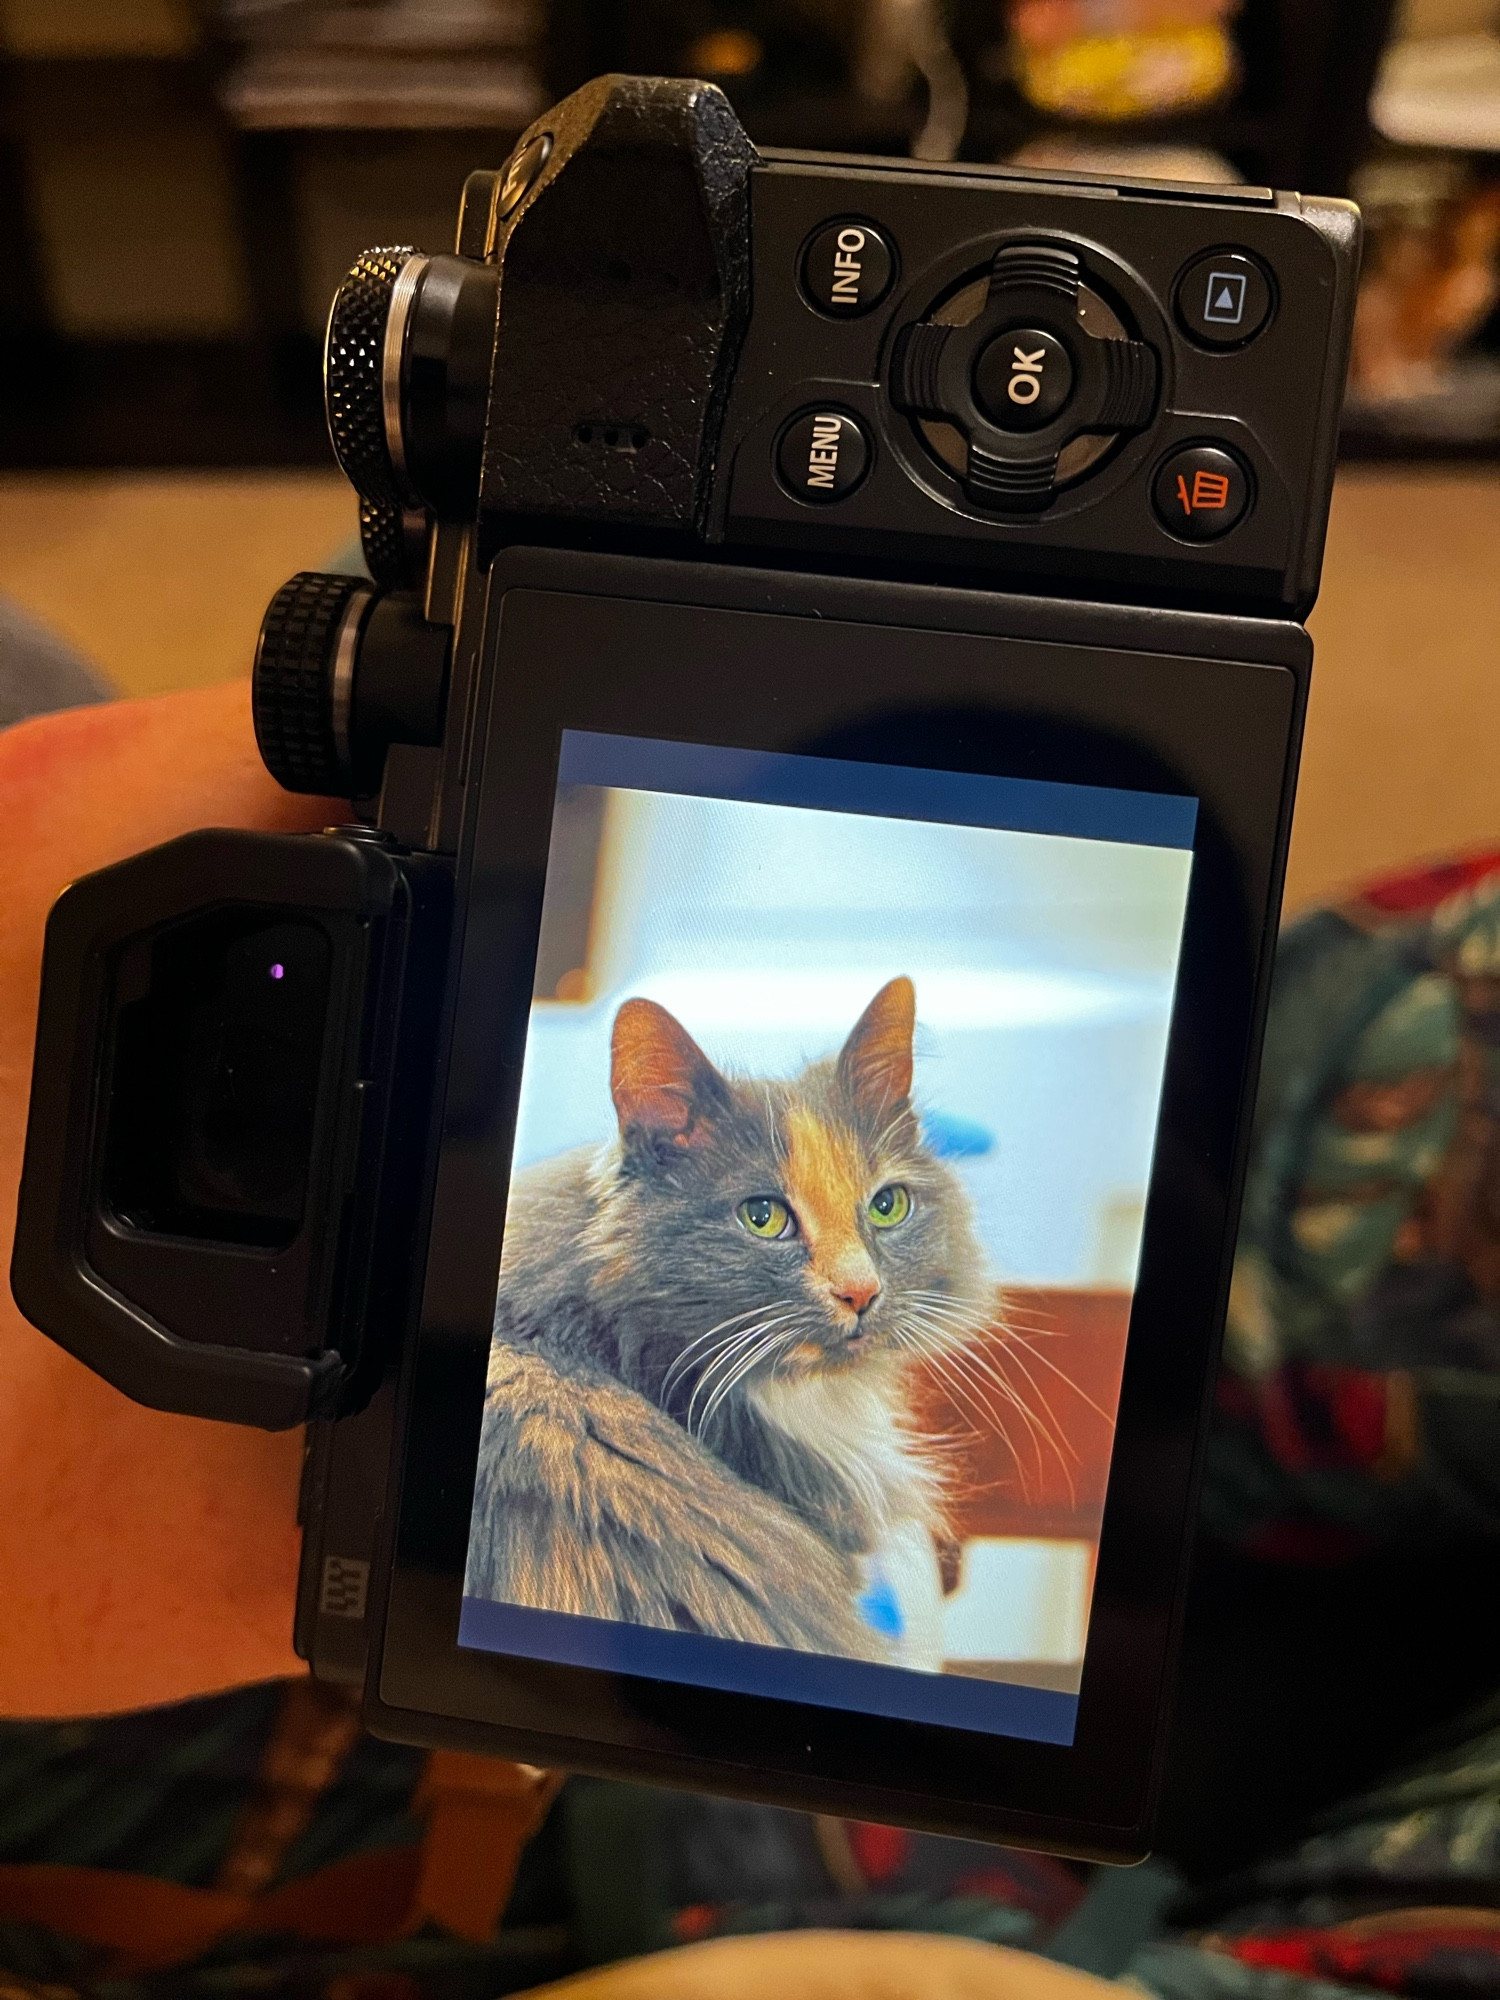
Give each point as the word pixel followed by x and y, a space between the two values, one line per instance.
pixel 765 1216
pixel 889 1206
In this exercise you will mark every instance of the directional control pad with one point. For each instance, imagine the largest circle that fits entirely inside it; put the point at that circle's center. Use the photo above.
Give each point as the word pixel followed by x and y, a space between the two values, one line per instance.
pixel 1023 378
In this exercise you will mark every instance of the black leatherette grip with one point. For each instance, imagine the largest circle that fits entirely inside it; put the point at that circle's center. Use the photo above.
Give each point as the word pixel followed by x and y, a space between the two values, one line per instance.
pixel 624 294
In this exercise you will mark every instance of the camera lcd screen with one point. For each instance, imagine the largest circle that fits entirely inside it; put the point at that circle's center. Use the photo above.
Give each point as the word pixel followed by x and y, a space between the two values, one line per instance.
pixel 839 1098
pixel 755 1433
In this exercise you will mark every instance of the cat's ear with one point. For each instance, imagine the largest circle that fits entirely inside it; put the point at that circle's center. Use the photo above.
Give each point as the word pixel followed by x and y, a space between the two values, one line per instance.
pixel 875 1063
pixel 662 1083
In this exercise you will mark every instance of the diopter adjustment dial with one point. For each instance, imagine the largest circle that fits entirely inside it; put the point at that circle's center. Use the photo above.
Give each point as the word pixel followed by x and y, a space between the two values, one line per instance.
pixel 301 683
pixel 1022 378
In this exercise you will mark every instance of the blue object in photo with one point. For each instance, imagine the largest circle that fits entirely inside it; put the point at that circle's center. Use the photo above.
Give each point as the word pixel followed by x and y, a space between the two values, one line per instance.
pixel 880 1610
pixel 955 1138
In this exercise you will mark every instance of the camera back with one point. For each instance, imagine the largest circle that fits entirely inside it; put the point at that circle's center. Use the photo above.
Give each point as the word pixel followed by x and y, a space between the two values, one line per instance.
pixel 924 550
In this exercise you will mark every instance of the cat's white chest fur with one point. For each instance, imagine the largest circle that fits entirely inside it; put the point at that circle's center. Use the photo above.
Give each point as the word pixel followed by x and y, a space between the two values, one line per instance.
pixel 855 1421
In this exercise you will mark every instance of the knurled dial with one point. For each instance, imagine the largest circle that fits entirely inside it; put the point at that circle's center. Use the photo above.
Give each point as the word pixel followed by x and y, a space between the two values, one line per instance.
pixel 298 703
pixel 354 389
pixel 1024 380
pixel 354 370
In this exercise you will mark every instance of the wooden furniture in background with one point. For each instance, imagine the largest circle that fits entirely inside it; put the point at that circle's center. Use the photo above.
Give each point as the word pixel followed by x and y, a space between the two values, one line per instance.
pixel 1030 1415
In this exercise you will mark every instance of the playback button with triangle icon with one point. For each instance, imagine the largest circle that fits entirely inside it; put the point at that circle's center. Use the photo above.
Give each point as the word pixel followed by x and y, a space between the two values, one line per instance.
pixel 1224 298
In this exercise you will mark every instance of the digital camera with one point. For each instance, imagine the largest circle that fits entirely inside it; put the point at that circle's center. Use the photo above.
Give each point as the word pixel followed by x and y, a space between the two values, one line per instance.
pixel 733 1153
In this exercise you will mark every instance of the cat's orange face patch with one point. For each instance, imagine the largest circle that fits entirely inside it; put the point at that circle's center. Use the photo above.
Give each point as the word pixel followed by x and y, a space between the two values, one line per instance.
pixel 825 1183
pixel 825 1179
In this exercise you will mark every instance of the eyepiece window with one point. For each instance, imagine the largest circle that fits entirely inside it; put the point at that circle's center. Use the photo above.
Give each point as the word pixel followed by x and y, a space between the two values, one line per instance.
pixel 213 1089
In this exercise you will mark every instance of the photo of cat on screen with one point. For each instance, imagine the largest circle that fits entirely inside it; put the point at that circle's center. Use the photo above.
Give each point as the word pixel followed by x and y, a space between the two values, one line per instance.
pixel 698 1413
pixel 833 1133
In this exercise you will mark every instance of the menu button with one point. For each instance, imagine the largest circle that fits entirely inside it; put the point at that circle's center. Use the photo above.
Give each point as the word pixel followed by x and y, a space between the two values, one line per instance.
pixel 823 455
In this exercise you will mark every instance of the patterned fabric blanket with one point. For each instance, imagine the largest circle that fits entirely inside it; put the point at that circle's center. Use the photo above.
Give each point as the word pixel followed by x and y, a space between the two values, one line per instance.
pixel 1360 1393
pixel 1359 1409
pixel 1398 1891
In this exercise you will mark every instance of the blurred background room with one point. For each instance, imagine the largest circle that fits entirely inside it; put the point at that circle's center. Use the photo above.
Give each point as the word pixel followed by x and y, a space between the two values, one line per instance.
pixel 181 185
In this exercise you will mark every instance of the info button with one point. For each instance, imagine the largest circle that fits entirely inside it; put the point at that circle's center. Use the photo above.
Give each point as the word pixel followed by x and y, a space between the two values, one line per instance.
pixel 823 455
pixel 847 268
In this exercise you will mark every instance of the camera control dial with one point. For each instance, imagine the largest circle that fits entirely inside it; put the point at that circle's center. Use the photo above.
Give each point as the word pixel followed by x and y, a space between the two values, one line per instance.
pixel 406 376
pixel 1023 378
pixel 354 366
pixel 354 356
pixel 341 672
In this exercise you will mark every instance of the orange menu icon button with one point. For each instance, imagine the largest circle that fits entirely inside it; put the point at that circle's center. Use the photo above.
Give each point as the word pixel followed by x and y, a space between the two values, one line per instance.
pixel 1201 493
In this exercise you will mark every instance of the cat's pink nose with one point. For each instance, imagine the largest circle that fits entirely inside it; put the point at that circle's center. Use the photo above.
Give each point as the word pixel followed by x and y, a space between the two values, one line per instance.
pixel 857 1293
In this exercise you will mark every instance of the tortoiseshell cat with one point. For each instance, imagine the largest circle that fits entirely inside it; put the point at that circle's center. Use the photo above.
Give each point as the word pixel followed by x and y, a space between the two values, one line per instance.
pixel 696 1415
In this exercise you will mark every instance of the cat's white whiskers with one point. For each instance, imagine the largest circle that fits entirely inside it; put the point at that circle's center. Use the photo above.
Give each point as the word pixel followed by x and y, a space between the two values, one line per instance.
pixel 946 1308
pixel 684 1360
pixel 979 1312
pixel 988 1356
pixel 723 1356
pixel 979 1406
pixel 913 1342
pixel 969 1318
pixel 729 1333
pixel 969 1362
pixel 725 1363
pixel 979 1399
pixel 747 1362
pixel 1008 1354
pixel 981 1369
pixel 944 1332
pixel 722 1359
pixel 768 1346
pixel 991 1359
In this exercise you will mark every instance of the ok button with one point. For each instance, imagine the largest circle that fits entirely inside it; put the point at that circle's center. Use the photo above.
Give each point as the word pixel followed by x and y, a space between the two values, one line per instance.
pixel 1022 379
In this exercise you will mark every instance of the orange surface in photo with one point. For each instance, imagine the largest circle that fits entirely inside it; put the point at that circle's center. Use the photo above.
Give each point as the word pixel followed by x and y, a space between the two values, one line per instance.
pixel 1061 1353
